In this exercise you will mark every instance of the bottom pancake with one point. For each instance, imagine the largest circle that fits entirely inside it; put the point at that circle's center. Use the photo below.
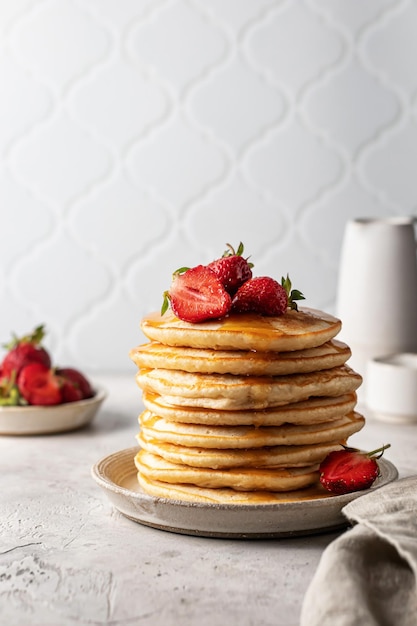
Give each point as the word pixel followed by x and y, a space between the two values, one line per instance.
pixel 154 467
pixel 227 496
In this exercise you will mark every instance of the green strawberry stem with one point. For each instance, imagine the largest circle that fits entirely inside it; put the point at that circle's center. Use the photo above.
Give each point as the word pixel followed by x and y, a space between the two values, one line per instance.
pixel 35 337
pixel 232 252
pixel 9 392
pixel 379 451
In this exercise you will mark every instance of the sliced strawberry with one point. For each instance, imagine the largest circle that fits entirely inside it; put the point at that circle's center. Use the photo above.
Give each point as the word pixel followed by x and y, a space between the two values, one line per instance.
pixel 39 385
pixel 262 295
pixel 25 350
pixel 347 470
pixel 77 380
pixel 197 295
pixel 232 269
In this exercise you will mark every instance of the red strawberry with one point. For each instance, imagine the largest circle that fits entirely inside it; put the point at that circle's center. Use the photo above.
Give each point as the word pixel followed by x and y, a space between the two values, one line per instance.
pixel 343 471
pixel 197 295
pixel 262 295
pixel 39 385
pixel 25 350
pixel 70 392
pixel 266 296
pixel 74 378
pixel 232 269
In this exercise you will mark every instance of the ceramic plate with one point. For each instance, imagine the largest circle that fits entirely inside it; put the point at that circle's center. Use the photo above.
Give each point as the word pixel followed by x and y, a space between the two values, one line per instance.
pixel 116 475
pixel 45 420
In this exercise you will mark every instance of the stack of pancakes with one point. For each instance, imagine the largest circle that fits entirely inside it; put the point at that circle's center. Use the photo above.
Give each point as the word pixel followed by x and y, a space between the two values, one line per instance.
pixel 244 409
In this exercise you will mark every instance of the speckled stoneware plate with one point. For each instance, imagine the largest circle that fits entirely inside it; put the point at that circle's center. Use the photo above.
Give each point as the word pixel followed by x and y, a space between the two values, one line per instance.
pixel 46 420
pixel 116 475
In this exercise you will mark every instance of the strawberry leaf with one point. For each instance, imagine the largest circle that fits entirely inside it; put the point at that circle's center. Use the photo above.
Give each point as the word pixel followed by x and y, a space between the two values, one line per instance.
pixel 293 294
pixel 35 337
pixel 180 271
pixel 165 303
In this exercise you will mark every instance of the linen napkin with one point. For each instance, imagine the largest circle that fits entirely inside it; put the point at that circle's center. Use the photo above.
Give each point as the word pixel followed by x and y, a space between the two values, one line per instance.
pixel 368 575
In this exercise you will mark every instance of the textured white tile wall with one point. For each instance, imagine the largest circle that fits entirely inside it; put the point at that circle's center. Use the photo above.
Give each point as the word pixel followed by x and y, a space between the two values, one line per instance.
pixel 137 136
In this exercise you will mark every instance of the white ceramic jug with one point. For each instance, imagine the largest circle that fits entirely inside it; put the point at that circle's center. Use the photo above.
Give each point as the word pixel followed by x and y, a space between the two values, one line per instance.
pixel 377 290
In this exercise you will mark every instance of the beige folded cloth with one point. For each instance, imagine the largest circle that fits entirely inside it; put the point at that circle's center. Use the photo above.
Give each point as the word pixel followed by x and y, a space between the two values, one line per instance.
pixel 368 575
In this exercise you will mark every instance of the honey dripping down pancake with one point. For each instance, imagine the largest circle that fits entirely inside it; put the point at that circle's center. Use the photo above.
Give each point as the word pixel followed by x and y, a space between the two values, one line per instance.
pixel 244 408
pixel 296 330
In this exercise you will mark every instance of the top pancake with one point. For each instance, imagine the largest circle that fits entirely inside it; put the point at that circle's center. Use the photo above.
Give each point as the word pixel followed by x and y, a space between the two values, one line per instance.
pixel 295 330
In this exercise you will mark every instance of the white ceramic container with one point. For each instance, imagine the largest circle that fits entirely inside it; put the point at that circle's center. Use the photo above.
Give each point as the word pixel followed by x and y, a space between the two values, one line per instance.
pixel 377 290
pixel 392 387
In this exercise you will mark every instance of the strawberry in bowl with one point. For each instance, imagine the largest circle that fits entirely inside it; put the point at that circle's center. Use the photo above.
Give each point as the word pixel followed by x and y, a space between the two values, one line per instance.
pixel 38 397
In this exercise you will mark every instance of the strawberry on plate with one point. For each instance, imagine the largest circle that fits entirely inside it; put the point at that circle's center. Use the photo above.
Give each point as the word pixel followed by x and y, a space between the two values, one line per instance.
pixel 39 385
pixel 232 269
pixel 25 350
pixel 197 295
pixel 347 470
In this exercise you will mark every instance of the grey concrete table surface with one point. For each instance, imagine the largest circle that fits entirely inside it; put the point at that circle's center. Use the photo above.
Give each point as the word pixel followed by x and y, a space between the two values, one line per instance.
pixel 68 557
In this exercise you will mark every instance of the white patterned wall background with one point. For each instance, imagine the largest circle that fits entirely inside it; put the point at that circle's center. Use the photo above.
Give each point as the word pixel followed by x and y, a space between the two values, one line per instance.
pixel 137 136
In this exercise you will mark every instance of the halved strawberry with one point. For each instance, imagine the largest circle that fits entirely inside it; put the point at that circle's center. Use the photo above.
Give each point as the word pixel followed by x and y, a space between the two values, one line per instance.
pixel 232 269
pixel 197 295
pixel 39 385
pixel 77 380
pixel 25 350
pixel 347 470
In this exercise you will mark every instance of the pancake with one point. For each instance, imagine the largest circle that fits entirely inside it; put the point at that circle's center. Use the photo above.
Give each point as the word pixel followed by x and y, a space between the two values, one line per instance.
pixel 271 456
pixel 244 409
pixel 156 428
pixel 225 496
pixel 312 411
pixel 241 479
pixel 157 355
pixel 226 391
pixel 296 330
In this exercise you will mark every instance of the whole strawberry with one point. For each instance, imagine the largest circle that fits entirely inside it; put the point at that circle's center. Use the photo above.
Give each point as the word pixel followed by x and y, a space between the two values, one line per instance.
pixel 74 384
pixel 197 295
pixel 39 385
pixel 25 350
pixel 347 470
pixel 264 295
pixel 232 269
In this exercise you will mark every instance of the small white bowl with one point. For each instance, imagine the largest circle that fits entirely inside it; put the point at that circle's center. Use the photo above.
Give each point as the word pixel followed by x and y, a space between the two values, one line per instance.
pixel 45 420
pixel 392 387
